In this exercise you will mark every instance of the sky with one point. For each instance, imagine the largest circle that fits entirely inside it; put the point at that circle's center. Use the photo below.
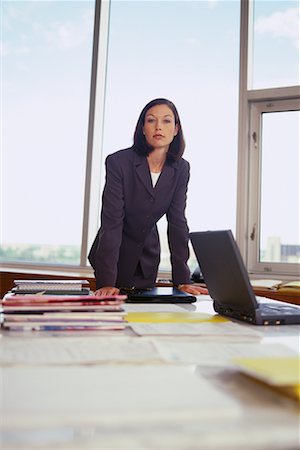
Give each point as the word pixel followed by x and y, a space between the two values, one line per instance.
pixel 46 66
pixel 185 51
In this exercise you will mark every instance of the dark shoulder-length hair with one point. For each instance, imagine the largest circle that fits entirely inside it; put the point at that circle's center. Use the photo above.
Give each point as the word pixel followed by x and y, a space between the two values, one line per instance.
pixel 140 144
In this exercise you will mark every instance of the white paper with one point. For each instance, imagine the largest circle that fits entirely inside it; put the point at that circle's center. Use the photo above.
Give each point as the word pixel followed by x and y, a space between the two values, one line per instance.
pixel 86 350
pixel 191 351
pixel 122 394
pixel 140 408
pixel 175 436
pixel 208 329
pixel 268 284
pixel 154 307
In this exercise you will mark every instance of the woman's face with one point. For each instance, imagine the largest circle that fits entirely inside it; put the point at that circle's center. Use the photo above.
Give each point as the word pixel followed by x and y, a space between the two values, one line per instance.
pixel 159 126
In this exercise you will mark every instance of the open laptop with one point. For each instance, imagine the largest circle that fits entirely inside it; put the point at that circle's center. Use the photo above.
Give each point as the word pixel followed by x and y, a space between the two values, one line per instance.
pixel 228 283
pixel 164 294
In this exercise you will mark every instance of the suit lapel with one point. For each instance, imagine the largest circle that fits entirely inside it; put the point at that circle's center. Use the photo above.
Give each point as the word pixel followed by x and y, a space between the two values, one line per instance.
pixel 143 172
pixel 165 180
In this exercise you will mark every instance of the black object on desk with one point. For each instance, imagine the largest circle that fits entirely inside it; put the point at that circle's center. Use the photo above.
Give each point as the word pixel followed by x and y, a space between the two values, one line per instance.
pixel 157 295
pixel 197 276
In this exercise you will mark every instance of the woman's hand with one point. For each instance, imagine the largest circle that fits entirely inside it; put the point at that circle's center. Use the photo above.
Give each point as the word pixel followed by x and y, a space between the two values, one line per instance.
pixel 107 290
pixel 192 289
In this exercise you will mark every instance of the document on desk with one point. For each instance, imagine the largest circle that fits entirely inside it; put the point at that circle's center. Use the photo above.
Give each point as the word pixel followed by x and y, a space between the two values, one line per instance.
pixel 154 307
pixel 280 372
pixel 173 317
pixel 213 328
pixel 126 395
pixel 216 354
pixel 138 408
pixel 76 351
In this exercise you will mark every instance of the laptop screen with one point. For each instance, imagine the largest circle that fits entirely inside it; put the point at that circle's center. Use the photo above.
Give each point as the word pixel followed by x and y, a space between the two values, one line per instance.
pixel 223 269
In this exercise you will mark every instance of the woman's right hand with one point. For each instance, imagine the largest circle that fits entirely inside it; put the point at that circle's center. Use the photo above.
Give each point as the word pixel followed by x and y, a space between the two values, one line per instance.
pixel 107 290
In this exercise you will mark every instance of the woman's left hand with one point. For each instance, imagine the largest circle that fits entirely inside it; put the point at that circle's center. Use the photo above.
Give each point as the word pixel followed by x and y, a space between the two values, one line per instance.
pixel 192 289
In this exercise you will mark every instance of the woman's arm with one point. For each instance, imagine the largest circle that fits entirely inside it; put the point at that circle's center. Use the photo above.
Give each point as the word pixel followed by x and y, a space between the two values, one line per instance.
pixel 178 232
pixel 107 290
pixel 110 233
pixel 192 289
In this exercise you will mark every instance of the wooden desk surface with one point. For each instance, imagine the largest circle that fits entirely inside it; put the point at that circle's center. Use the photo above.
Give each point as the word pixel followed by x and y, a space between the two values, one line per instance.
pixel 278 294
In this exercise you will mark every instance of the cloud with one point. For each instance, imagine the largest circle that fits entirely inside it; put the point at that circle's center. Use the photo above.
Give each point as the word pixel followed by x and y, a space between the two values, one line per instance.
pixel 281 24
pixel 191 41
pixel 70 34
pixel 212 3
pixel 7 49
pixel 4 50
pixel 25 29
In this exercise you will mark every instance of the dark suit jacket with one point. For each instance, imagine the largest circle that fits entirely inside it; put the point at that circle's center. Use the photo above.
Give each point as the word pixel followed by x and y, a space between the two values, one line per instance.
pixel 128 237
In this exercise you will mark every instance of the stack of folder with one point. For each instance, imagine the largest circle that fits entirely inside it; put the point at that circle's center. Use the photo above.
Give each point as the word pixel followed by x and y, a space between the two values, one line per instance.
pixel 79 287
pixel 49 310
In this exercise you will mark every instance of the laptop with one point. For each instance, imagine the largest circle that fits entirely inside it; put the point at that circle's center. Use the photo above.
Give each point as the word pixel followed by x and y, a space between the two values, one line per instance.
pixel 163 294
pixel 228 283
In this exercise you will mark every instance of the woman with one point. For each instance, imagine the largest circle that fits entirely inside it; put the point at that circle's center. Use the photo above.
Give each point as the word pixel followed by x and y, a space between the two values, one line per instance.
pixel 143 183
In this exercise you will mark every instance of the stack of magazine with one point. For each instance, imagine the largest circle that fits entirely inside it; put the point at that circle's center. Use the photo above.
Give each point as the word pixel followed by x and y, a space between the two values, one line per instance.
pixel 60 306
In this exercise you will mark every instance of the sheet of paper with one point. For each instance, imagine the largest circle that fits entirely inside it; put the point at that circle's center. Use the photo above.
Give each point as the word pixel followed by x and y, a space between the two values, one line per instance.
pixel 277 371
pixel 86 350
pixel 119 407
pixel 208 329
pixel 266 283
pixel 173 436
pixel 293 341
pixel 173 317
pixel 124 394
pixel 154 307
pixel 199 351
pixel 291 391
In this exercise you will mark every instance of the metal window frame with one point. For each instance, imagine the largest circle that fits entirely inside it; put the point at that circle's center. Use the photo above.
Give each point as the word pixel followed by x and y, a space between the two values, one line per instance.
pixel 257 108
pixel 95 133
pixel 93 156
pixel 248 192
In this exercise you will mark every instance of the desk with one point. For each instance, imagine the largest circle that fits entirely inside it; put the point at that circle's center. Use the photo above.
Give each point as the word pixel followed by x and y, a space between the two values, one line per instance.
pixel 116 391
pixel 279 294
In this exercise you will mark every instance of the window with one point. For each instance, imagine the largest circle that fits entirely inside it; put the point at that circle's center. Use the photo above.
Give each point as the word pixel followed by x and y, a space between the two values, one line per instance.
pixel 191 57
pixel 275 37
pixel 46 69
pixel 275 190
pixel 268 221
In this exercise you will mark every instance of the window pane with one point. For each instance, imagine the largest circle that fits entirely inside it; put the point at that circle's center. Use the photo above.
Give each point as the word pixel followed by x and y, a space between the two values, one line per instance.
pixel 280 188
pixel 187 52
pixel 46 69
pixel 275 44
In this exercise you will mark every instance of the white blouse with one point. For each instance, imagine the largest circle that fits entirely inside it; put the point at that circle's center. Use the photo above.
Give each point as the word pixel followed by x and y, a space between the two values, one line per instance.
pixel 155 177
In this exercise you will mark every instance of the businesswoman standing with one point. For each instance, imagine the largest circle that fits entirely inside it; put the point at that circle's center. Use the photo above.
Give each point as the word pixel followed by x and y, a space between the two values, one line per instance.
pixel 143 183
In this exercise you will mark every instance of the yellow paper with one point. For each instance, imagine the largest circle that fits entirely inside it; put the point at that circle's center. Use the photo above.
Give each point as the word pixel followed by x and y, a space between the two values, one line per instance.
pixel 175 317
pixel 291 391
pixel 292 284
pixel 281 371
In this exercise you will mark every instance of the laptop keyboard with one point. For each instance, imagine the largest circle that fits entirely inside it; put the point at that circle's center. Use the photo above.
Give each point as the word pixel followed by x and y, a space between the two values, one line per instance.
pixel 274 309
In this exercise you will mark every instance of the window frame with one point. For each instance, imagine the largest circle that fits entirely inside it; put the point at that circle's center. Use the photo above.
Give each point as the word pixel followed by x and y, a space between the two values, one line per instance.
pixel 248 198
pixel 258 108
pixel 93 155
